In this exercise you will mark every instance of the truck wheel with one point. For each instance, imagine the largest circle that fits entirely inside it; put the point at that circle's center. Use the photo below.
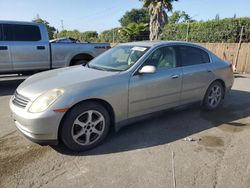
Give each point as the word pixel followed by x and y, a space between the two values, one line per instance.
pixel 85 126
pixel 80 62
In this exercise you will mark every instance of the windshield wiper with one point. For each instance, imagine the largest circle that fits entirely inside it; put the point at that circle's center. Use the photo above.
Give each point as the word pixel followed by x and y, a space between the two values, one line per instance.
pixel 87 64
pixel 98 68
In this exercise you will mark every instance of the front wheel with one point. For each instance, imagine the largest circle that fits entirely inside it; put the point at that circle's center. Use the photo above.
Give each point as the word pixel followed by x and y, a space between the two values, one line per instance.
pixel 85 126
pixel 214 96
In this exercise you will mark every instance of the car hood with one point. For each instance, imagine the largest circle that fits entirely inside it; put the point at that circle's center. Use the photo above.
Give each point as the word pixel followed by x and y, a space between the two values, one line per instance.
pixel 39 83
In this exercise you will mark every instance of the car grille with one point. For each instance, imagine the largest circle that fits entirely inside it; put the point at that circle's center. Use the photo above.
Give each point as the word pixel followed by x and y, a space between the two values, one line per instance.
pixel 20 100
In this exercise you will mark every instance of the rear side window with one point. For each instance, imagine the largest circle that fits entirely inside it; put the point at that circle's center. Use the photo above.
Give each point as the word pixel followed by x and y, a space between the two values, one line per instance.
pixel 205 57
pixel 193 56
pixel 16 32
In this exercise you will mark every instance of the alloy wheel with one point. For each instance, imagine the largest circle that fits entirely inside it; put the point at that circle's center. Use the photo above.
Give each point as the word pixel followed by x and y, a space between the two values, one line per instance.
pixel 215 96
pixel 88 127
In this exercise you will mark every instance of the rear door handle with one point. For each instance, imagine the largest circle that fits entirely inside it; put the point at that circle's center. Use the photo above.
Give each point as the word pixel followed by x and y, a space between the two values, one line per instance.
pixel 175 76
pixel 40 47
pixel 3 47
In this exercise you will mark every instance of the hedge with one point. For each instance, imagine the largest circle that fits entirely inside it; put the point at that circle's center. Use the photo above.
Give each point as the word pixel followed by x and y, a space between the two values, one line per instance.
pixel 225 30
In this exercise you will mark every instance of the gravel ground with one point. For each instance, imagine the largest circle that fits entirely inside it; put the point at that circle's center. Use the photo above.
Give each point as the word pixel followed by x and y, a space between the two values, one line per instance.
pixel 139 155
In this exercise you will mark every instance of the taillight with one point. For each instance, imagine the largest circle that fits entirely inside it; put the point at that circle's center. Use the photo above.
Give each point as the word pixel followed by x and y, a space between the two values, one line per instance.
pixel 232 67
pixel 108 47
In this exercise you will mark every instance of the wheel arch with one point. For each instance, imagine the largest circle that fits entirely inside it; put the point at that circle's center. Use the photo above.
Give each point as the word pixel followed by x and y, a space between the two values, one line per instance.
pixel 102 102
pixel 80 56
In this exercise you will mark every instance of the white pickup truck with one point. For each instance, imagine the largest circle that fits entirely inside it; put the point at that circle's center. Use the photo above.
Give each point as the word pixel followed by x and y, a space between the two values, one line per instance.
pixel 25 47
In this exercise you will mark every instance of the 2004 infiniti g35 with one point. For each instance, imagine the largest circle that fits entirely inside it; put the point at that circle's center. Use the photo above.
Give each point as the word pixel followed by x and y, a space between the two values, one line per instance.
pixel 78 105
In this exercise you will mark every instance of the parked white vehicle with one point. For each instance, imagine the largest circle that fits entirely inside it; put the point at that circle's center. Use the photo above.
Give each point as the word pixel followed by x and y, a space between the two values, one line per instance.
pixel 25 46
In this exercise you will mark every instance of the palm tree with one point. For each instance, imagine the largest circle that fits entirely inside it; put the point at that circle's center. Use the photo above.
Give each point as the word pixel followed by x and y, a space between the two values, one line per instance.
pixel 158 16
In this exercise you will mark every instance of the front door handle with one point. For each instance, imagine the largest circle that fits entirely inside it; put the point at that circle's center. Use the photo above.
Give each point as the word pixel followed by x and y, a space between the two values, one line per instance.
pixel 175 76
pixel 3 47
pixel 40 47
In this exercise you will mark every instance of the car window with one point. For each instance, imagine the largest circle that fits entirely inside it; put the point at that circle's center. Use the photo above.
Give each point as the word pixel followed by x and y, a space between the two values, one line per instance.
pixel 164 57
pixel 119 58
pixel 205 57
pixel 16 32
pixel 193 56
pixel 1 33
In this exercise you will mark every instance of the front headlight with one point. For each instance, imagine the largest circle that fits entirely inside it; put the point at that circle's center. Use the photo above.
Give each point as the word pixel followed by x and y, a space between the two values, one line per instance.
pixel 45 100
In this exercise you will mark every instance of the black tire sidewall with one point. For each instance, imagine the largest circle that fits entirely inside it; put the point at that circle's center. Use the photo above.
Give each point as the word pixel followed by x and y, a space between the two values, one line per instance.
pixel 206 104
pixel 81 62
pixel 67 123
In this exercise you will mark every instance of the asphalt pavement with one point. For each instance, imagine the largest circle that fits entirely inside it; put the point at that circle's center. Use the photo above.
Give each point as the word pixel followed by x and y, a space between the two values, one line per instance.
pixel 211 149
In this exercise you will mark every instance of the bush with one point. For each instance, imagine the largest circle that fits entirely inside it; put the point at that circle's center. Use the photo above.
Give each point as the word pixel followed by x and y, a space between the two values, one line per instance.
pixel 226 30
pixel 87 36
pixel 113 36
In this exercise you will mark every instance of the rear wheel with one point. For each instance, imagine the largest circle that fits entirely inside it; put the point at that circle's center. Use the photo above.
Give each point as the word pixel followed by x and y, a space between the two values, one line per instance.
pixel 85 126
pixel 214 96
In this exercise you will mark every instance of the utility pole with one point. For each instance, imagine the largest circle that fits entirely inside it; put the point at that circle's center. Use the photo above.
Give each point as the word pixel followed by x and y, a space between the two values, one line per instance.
pixel 62 26
pixel 188 22
pixel 113 36
pixel 238 49
pixel 187 30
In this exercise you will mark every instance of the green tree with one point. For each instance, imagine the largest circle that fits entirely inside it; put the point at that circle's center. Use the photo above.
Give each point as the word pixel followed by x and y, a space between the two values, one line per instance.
pixel 158 16
pixel 89 36
pixel 179 17
pixel 135 16
pixel 135 31
pixel 51 29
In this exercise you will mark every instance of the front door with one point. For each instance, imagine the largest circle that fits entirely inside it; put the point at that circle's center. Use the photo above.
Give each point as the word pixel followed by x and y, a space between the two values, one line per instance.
pixel 5 58
pixel 28 50
pixel 160 90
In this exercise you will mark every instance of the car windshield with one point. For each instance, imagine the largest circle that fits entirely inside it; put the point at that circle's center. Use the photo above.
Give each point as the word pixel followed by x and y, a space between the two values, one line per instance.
pixel 119 58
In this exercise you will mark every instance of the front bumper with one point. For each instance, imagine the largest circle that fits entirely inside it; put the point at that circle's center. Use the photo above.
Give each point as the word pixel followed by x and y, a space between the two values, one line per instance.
pixel 41 128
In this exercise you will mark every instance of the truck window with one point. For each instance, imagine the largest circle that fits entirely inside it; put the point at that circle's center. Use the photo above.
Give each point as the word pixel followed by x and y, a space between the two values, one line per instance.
pixel 1 32
pixel 17 32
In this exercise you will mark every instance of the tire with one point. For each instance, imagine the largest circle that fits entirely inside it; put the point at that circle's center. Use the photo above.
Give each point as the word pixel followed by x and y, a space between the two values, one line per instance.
pixel 85 126
pixel 80 62
pixel 214 96
pixel 28 73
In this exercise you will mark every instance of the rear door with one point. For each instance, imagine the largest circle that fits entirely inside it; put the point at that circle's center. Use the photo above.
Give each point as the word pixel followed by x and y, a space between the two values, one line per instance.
pixel 197 74
pixel 160 90
pixel 28 50
pixel 5 58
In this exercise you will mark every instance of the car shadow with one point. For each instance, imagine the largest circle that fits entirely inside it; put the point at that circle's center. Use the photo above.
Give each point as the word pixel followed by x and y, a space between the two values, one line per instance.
pixel 237 75
pixel 169 126
pixel 8 86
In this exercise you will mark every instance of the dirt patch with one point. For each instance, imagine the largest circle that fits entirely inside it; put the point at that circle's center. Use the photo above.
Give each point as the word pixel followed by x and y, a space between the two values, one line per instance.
pixel 211 141
pixel 234 127
pixel 15 153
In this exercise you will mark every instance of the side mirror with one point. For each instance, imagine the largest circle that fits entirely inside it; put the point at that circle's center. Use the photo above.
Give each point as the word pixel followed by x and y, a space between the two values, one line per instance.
pixel 147 69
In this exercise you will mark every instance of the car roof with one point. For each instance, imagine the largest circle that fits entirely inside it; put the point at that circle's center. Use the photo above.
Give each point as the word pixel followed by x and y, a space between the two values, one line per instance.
pixel 159 42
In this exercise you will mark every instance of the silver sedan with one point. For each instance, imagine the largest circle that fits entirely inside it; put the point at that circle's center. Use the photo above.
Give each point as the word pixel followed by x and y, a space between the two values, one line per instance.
pixel 78 105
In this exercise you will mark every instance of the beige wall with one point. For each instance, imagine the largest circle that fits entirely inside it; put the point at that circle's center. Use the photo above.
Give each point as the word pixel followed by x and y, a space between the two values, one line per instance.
pixel 228 51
